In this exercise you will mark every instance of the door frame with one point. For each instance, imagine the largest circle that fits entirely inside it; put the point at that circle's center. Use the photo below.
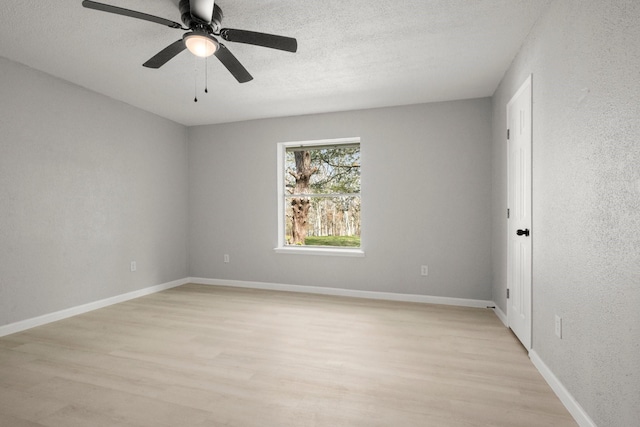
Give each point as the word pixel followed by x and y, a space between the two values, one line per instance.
pixel 526 85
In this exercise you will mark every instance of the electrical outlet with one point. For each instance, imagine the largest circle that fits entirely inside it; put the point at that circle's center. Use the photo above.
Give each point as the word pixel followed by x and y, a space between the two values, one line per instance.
pixel 558 326
pixel 226 258
pixel 134 266
pixel 424 270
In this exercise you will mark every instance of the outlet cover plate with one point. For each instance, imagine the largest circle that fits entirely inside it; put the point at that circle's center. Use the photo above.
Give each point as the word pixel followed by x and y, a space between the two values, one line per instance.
pixel 558 326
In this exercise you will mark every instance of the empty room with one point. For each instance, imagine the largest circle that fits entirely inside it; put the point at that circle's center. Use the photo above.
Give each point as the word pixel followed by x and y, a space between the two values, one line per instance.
pixel 286 213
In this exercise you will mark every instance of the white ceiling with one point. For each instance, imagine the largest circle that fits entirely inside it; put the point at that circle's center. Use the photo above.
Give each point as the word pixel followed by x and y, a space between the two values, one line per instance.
pixel 351 54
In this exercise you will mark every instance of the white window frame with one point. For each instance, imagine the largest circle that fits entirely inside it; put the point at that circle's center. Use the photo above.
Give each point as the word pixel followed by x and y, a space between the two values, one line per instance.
pixel 282 248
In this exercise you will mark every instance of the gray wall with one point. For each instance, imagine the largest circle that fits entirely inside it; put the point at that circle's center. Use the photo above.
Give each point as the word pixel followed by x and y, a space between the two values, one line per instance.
pixel 426 186
pixel 585 61
pixel 87 184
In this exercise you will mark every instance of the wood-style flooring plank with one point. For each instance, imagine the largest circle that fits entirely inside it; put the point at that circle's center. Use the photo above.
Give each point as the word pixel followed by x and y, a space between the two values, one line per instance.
pixel 214 356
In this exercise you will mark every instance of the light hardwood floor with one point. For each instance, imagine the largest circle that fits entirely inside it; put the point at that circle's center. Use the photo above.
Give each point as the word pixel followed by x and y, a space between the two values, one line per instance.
pixel 212 356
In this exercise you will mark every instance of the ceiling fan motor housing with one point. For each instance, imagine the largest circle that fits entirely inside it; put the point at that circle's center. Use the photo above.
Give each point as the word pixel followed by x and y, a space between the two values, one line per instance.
pixel 194 23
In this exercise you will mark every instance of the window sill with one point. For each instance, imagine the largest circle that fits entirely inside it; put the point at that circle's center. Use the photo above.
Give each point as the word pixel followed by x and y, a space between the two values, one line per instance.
pixel 323 251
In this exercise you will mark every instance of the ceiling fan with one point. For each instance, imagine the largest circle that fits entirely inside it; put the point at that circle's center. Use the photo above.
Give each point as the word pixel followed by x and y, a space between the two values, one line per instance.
pixel 202 19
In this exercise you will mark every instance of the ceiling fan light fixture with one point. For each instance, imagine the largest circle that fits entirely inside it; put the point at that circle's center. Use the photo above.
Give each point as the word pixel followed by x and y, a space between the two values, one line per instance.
pixel 201 44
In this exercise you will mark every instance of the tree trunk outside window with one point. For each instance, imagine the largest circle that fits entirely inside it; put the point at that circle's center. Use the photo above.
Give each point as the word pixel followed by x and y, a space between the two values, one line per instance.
pixel 300 205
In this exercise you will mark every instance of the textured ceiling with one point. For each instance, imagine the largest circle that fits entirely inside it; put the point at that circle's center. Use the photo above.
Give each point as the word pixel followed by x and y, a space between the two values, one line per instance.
pixel 351 54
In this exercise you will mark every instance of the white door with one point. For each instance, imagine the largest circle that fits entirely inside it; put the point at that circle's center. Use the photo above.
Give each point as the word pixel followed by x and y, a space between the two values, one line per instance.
pixel 519 212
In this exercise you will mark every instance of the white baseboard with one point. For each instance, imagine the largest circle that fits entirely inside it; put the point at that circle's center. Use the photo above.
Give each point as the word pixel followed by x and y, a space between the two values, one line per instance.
pixel 574 408
pixel 389 296
pixel 501 315
pixel 23 325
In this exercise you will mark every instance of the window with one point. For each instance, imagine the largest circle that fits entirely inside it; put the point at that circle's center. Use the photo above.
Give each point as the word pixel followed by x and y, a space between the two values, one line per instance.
pixel 319 202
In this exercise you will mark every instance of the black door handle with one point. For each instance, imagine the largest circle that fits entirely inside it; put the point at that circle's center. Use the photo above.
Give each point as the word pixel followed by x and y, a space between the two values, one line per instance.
pixel 524 232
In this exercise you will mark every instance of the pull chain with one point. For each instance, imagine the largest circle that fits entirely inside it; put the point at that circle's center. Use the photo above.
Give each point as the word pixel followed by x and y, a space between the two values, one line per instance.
pixel 206 75
pixel 195 79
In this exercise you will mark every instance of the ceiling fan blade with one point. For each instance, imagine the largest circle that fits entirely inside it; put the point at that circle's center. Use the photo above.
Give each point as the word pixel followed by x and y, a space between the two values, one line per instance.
pixel 232 64
pixel 259 39
pixel 165 55
pixel 132 13
pixel 202 9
